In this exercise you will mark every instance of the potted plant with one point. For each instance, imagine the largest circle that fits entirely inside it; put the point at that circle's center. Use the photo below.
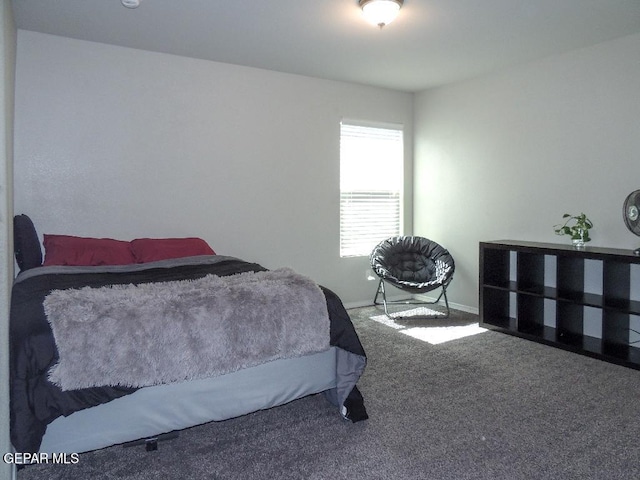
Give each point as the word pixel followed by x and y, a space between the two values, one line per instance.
pixel 577 226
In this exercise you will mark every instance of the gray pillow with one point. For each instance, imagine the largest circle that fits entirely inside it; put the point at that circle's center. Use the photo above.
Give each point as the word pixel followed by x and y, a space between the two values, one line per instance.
pixel 26 244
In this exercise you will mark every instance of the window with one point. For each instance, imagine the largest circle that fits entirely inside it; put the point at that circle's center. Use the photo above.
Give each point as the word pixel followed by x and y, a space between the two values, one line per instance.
pixel 371 179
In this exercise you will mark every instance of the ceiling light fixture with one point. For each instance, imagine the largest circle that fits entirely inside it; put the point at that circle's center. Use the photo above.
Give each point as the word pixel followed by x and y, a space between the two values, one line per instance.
pixel 130 3
pixel 380 12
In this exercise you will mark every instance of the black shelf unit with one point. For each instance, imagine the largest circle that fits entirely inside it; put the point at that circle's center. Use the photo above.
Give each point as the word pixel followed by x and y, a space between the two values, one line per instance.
pixel 537 291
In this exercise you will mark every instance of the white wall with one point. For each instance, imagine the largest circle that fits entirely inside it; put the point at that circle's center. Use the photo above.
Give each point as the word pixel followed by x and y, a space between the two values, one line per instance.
pixel 504 156
pixel 7 74
pixel 125 143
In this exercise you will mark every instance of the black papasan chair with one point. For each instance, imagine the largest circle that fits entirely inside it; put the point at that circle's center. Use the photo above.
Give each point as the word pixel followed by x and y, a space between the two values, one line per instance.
pixel 414 265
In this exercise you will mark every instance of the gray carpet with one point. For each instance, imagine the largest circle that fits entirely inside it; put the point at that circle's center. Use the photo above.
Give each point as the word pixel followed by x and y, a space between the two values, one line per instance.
pixel 487 406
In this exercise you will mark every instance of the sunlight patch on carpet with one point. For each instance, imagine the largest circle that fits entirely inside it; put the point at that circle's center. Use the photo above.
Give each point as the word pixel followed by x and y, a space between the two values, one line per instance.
pixel 437 335
pixel 432 335
pixel 414 312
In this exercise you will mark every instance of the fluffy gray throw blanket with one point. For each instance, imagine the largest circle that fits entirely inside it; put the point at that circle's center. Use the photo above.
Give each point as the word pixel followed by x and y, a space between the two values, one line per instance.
pixel 148 334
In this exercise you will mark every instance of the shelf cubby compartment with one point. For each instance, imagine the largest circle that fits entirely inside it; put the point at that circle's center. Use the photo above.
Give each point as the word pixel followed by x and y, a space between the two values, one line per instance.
pixel 495 309
pixel 579 327
pixel 616 334
pixel 530 314
pixel 570 278
pixel 530 273
pixel 593 321
pixel 570 323
pixel 616 285
pixel 495 268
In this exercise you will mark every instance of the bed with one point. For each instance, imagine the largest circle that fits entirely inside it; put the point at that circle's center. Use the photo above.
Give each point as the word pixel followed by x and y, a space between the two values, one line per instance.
pixel 58 412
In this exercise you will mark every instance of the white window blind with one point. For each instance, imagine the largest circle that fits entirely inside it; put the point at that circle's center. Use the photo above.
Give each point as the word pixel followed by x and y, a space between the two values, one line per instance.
pixel 371 179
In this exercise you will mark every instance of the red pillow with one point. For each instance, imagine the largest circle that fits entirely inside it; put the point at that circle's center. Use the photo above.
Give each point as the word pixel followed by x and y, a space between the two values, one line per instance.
pixel 70 250
pixel 153 249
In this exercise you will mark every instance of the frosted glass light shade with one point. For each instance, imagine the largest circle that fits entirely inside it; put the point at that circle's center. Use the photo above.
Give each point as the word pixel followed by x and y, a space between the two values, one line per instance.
pixel 380 12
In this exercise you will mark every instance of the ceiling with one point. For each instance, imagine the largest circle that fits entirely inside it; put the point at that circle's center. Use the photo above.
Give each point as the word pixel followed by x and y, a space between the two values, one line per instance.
pixel 432 42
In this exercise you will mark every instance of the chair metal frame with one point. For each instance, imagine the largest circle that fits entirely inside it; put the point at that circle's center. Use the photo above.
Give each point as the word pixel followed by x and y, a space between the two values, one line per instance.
pixel 386 302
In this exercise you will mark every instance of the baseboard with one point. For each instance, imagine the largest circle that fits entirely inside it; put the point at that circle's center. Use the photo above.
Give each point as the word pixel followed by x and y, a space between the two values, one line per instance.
pixel 357 304
pixel 369 303
pixel 455 306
